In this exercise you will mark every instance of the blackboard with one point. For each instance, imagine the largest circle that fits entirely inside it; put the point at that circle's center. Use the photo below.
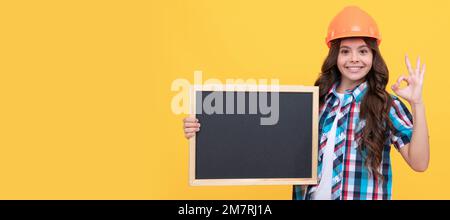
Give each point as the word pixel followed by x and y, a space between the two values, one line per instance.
pixel 234 148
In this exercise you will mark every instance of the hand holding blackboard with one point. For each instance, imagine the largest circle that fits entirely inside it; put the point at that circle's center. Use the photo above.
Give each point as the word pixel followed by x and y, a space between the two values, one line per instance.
pixel 190 127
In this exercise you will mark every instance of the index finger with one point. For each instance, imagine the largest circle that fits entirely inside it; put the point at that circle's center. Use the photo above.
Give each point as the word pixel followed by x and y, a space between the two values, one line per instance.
pixel 190 119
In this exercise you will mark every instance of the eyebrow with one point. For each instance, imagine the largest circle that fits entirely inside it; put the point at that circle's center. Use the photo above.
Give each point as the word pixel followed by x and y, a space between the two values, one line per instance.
pixel 350 48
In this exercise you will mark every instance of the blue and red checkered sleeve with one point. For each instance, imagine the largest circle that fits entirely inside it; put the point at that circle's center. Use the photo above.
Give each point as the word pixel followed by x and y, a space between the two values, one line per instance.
pixel 402 122
pixel 298 192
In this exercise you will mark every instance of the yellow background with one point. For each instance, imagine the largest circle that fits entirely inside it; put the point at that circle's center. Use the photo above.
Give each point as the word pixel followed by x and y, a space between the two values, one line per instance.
pixel 85 87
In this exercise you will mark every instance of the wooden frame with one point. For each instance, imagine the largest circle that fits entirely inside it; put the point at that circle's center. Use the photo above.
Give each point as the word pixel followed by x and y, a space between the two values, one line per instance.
pixel 273 181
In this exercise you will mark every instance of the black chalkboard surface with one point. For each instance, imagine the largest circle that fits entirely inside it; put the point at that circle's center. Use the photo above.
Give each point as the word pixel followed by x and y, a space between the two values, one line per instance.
pixel 258 137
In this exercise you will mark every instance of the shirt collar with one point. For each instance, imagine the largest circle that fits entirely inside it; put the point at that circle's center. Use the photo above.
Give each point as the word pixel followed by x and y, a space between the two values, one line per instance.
pixel 357 92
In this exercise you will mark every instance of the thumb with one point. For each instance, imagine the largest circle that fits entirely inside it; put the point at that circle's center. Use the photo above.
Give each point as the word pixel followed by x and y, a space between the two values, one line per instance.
pixel 397 90
pixel 395 87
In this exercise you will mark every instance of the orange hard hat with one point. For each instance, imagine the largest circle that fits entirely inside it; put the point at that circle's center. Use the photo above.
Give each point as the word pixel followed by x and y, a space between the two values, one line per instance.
pixel 352 22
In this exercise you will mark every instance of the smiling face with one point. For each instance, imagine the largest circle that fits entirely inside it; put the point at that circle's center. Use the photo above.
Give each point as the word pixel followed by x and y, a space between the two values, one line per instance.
pixel 354 61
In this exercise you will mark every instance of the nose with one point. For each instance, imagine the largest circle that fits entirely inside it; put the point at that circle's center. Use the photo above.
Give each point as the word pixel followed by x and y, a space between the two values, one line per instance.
pixel 354 58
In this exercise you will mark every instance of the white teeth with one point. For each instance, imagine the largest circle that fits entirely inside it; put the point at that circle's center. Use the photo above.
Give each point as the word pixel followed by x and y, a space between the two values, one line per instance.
pixel 354 69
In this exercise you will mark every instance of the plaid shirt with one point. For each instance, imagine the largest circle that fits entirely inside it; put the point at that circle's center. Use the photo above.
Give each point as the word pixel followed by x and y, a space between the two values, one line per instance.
pixel 351 179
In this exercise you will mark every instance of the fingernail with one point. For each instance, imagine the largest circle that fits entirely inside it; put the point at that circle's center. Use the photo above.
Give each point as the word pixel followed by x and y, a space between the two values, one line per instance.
pixel 199 125
pixel 198 129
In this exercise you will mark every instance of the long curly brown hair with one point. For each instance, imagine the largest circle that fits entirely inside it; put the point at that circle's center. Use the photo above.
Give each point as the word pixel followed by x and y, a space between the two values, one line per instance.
pixel 375 104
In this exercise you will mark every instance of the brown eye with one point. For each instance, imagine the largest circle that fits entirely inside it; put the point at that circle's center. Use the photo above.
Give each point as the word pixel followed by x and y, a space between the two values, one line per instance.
pixel 364 51
pixel 344 51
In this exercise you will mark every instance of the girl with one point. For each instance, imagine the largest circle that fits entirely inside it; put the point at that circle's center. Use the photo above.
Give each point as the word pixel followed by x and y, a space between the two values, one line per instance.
pixel 359 119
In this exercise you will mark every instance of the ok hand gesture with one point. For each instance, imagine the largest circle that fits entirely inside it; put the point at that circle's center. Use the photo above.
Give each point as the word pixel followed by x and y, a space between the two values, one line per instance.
pixel 413 91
